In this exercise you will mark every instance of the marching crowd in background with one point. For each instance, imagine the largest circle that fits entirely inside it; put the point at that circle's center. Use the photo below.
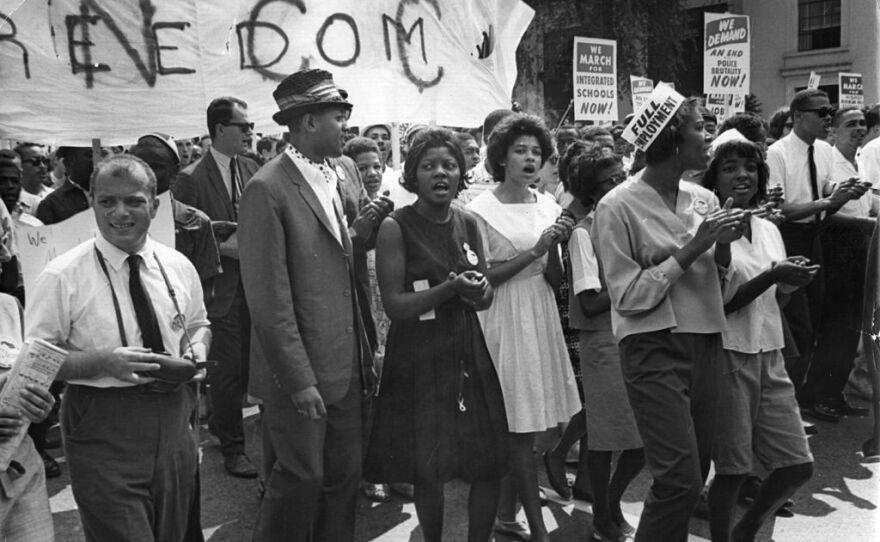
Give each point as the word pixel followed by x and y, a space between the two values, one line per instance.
pixel 685 306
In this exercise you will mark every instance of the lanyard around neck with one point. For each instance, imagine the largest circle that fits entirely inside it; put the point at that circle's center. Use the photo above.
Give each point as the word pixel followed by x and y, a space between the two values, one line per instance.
pixel 179 318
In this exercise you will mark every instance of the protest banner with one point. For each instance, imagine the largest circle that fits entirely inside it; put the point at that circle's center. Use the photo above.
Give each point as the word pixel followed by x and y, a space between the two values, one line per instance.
pixel 640 90
pixel 38 246
pixel 73 70
pixel 851 90
pixel 726 58
pixel 814 80
pixel 595 79
pixel 653 116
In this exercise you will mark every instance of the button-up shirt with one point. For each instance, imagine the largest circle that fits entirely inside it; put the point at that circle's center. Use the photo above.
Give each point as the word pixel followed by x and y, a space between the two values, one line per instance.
pixel 757 327
pixel 789 167
pixel 636 235
pixel 73 305
pixel 843 170
pixel 223 162
pixel 323 181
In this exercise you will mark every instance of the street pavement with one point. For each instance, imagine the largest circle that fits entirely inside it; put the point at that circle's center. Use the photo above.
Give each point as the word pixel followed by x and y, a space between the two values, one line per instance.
pixel 839 504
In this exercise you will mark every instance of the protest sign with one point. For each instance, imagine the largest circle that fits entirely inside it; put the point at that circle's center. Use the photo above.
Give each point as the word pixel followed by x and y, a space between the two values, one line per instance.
pixel 595 79
pixel 724 106
pixel 38 246
pixel 640 90
pixel 815 78
pixel 726 54
pixel 653 116
pixel 73 70
pixel 852 92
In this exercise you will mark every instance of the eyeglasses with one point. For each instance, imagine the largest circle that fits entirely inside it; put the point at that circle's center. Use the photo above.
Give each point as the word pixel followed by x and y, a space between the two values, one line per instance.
pixel 37 161
pixel 824 111
pixel 614 179
pixel 243 126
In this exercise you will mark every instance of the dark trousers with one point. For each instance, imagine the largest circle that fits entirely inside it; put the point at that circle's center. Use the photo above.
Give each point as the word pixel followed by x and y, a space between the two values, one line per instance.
pixel 312 487
pixel 804 309
pixel 672 382
pixel 133 462
pixel 228 378
pixel 845 251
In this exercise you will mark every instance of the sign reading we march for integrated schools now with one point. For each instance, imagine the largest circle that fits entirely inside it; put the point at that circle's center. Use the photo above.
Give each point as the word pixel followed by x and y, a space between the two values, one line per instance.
pixel 726 57
pixel 595 79
pixel 852 93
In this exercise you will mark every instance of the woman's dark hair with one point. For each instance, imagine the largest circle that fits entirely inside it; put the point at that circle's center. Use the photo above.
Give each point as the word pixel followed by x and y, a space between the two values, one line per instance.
pixel 360 145
pixel 739 149
pixel 583 171
pixel 575 148
pixel 507 131
pixel 670 136
pixel 425 140
pixel 751 126
pixel 777 122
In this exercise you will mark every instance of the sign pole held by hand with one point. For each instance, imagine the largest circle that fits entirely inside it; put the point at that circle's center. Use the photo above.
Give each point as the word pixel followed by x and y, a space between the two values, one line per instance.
pixel 96 150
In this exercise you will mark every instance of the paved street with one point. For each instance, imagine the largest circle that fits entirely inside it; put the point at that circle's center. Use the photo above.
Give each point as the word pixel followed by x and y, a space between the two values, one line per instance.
pixel 838 505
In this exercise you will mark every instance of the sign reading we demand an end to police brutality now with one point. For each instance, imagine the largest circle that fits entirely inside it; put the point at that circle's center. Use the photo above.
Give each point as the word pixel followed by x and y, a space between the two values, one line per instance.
pixel 73 70
pixel 595 79
pixel 726 57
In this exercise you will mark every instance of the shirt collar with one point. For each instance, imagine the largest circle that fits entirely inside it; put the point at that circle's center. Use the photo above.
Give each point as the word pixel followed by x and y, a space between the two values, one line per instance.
pixel 301 160
pixel 221 159
pixel 799 143
pixel 117 258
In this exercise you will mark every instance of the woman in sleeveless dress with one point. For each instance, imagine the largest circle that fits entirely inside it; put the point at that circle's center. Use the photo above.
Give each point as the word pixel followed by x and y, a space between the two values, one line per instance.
pixel 439 412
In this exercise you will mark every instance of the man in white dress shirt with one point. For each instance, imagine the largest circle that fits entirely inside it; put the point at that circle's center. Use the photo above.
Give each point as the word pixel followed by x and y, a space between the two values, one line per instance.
pixel 114 302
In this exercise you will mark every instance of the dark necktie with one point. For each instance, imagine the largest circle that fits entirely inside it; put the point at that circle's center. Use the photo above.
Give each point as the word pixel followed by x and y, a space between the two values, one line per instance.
pixel 235 184
pixel 143 308
pixel 814 185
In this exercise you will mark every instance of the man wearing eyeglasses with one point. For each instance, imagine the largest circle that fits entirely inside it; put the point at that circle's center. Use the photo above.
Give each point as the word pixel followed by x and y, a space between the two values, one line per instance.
pixel 214 184
pixel 35 167
pixel 802 164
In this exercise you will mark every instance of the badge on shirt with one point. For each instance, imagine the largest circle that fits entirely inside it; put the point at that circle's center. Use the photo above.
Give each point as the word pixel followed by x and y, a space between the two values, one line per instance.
pixel 701 207
pixel 178 322
pixel 8 353
pixel 340 172
pixel 470 254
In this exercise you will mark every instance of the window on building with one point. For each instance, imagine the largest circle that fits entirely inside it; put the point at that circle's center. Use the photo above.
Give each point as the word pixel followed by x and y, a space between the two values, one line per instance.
pixel 818 24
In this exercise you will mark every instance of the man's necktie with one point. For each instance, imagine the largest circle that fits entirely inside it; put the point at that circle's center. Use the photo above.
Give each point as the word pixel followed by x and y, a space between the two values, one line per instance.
pixel 235 182
pixel 814 185
pixel 143 308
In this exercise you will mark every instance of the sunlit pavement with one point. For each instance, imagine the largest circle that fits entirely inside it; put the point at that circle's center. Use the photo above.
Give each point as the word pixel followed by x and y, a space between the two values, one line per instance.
pixel 839 504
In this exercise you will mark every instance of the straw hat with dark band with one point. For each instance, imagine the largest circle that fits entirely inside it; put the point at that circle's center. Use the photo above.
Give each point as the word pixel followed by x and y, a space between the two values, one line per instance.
pixel 306 91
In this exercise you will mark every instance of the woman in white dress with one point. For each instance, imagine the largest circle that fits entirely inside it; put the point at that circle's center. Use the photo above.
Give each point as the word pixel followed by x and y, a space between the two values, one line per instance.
pixel 521 229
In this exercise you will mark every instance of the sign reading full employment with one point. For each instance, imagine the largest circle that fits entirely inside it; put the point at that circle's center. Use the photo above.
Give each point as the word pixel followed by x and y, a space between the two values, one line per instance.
pixel 726 57
pixel 73 70
pixel 851 90
pixel 595 79
pixel 640 90
pixel 650 120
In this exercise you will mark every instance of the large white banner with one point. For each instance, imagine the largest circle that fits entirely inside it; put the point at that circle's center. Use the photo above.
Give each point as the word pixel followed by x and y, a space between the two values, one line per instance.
pixel 726 68
pixel 73 70
pixel 595 79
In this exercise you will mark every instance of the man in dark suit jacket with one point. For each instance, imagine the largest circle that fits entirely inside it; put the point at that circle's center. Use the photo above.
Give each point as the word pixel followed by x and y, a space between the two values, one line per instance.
pixel 311 361
pixel 214 185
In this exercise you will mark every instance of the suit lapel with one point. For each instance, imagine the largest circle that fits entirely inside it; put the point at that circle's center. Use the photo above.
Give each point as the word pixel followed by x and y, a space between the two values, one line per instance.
pixel 309 196
pixel 216 182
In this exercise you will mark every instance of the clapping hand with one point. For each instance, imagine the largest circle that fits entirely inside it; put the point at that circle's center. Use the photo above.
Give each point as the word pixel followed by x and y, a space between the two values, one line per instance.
pixel 470 285
pixel 794 270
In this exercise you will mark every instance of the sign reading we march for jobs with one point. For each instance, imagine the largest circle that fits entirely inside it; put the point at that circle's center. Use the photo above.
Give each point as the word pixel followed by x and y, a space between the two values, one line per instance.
pixel 595 79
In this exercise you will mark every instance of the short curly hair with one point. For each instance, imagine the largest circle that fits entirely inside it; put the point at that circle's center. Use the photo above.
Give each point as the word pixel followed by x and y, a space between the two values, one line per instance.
pixel 359 145
pixel 751 126
pixel 425 140
pixel 583 171
pixel 507 131
pixel 739 149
